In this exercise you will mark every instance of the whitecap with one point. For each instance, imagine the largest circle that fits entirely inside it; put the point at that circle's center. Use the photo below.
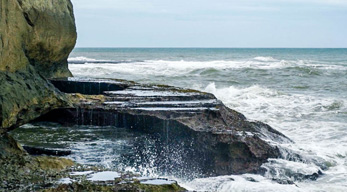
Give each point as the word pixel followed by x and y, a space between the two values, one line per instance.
pixel 265 59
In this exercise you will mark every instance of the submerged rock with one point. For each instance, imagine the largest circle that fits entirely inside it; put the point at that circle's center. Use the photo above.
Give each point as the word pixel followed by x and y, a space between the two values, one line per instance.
pixel 43 151
pixel 194 133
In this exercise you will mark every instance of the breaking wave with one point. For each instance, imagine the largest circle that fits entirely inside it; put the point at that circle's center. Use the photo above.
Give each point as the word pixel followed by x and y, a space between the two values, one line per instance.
pixel 302 98
pixel 304 119
pixel 85 60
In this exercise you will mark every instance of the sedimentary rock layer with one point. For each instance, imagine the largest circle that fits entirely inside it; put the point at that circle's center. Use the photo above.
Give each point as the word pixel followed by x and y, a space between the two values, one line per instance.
pixel 196 132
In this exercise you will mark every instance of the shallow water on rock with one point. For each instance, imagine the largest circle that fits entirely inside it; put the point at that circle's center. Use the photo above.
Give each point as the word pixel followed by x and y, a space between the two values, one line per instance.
pixel 90 145
pixel 111 147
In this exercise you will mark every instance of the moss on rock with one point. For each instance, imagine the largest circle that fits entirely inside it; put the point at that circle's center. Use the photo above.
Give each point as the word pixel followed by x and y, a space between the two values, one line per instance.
pixel 36 37
pixel 53 163
pixel 131 187
pixel 24 96
pixel 22 172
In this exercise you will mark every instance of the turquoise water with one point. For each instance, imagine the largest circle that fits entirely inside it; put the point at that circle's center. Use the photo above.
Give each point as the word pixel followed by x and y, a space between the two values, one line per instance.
pixel 300 92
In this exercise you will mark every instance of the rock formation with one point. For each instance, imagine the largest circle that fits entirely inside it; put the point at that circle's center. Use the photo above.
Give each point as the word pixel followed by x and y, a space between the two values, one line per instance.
pixel 36 37
pixel 196 134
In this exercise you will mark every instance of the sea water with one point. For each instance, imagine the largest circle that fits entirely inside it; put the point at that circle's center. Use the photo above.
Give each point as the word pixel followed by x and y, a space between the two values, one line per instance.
pixel 300 92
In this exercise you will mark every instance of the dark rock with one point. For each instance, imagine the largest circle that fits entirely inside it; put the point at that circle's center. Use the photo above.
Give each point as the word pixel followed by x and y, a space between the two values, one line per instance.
pixel 43 151
pixel 24 96
pixel 194 132
pixel 21 172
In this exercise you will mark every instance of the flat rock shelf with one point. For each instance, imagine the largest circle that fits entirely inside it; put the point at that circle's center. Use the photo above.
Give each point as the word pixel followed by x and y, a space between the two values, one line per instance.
pixel 196 134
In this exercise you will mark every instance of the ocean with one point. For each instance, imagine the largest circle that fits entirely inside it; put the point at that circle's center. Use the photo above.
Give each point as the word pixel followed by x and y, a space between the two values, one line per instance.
pixel 300 92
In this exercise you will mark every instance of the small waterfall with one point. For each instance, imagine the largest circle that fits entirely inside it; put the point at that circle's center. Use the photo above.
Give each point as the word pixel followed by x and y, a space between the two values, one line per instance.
pixel 99 89
pixel 84 88
pixel 91 116
pixel 116 120
pixel 77 115
pixel 82 116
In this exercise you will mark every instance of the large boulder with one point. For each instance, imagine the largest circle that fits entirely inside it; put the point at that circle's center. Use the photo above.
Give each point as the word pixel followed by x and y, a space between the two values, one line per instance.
pixel 36 37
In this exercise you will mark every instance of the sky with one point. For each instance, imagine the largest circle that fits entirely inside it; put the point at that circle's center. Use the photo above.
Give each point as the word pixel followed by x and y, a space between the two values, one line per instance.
pixel 211 23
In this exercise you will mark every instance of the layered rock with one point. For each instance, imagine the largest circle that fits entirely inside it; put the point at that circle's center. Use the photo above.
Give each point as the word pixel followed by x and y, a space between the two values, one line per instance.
pixel 194 133
pixel 36 37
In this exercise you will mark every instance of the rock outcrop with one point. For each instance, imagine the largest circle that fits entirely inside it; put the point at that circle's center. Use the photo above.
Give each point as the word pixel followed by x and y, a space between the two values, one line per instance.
pixel 194 133
pixel 36 37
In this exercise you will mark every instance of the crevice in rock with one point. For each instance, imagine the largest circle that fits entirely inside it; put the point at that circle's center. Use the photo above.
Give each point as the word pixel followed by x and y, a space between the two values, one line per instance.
pixel 86 88
pixel 43 151
pixel 27 18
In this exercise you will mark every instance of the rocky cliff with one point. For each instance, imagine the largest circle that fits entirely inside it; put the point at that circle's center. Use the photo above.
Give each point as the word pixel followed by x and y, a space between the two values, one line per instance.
pixel 36 37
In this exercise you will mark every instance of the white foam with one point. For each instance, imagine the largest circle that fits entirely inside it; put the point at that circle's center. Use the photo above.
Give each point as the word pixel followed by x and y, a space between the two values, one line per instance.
pixel 81 173
pixel 150 93
pixel 150 68
pixel 211 101
pixel 80 59
pixel 104 176
pixel 309 120
pixel 265 59
pixel 282 168
pixel 114 102
pixel 175 109
pixel 65 181
pixel 158 182
pixel 237 183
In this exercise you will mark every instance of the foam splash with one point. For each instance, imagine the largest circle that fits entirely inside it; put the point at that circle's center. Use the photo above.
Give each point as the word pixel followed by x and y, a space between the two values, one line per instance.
pixel 303 109
pixel 246 182
pixel 308 121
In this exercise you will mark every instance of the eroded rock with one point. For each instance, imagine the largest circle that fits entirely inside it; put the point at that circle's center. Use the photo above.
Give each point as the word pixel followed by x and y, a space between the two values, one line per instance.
pixel 36 37
pixel 194 132
pixel 40 33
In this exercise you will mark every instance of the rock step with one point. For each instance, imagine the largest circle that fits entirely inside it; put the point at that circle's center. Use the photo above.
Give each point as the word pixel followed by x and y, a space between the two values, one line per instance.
pixel 170 105
pixel 212 139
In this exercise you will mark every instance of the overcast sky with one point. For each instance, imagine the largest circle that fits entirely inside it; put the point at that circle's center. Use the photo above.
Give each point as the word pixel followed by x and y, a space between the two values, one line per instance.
pixel 211 23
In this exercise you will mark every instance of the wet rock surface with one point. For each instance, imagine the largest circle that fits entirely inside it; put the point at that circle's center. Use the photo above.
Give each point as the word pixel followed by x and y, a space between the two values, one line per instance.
pixel 194 132
pixel 20 171
pixel 114 181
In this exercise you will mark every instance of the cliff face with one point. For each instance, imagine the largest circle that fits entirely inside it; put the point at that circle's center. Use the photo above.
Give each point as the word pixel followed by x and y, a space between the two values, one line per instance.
pixel 41 33
pixel 36 37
